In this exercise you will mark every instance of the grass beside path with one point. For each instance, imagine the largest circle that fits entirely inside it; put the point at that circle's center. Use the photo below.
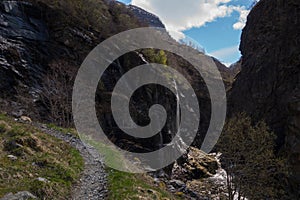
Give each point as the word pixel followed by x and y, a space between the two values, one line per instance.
pixel 122 185
pixel 36 162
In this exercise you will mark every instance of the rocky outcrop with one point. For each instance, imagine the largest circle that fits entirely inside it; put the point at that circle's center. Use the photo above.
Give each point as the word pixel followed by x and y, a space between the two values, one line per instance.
pixel 268 86
pixel 24 195
pixel 149 95
pixel 197 175
pixel 195 165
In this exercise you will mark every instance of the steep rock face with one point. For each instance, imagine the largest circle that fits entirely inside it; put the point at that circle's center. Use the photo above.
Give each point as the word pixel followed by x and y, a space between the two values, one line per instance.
pixel 20 25
pixel 268 86
pixel 37 34
pixel 147 96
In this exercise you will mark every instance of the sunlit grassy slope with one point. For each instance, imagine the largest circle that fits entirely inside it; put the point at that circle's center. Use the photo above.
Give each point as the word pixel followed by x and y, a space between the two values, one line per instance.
pixel 36 155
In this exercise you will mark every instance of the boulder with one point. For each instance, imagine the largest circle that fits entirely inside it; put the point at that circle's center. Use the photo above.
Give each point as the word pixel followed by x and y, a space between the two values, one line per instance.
pixel 12 157
pixel 177 183
pixel 44 180
pixel 197 165
pixel 24 195
pixel 26 119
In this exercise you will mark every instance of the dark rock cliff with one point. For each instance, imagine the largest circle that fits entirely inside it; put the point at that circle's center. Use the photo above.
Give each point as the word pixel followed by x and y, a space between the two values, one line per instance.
pixel 23 34
pixel 268 86
pixel 36 34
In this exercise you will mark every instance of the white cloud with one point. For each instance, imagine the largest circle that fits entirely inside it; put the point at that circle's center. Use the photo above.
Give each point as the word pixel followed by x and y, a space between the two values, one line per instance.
pixel 179 15
pixel 243 18
pixel 225 53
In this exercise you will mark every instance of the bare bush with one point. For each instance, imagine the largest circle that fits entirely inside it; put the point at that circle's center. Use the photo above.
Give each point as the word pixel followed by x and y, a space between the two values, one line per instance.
pixel 56 93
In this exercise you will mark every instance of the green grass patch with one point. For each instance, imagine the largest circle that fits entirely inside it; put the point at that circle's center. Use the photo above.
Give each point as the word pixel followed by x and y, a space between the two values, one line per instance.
pixel 122 185
pixel 38 156
pixel 70 131
pixel 127 186
pixel 111 155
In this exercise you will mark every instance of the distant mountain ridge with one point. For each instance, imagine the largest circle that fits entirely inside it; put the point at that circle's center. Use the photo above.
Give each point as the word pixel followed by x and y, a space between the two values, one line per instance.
pixel 146 17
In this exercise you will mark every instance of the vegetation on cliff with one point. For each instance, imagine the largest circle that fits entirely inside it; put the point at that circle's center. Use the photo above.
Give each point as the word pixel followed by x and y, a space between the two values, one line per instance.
pixel 253 170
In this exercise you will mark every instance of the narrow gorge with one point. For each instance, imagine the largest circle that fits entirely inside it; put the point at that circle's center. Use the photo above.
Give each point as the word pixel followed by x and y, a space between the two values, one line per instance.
pixel 43 44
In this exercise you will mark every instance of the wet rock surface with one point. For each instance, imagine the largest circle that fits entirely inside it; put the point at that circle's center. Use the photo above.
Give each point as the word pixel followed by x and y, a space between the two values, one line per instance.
pixel 33 37
pixel 20 25
pixel 28 45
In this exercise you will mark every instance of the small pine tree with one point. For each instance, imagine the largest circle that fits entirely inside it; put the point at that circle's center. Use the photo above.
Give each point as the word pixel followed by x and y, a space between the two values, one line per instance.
pixel 248 158
pixel 161 57
pixel 154 56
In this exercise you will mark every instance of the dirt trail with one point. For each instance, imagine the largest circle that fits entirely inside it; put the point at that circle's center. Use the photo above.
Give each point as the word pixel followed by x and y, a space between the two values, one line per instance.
pixel 93 182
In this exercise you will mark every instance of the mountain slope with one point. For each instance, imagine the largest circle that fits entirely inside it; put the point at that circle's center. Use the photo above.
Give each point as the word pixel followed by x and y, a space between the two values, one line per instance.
pixel 42 37
pixel 44 42
pixel 146 17
pixel 37 34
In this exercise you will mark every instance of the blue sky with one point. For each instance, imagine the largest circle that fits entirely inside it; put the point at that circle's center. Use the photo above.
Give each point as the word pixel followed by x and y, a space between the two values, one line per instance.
pixel 214 24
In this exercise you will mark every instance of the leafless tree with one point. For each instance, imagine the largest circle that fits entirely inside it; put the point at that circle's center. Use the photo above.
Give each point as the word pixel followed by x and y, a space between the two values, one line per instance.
pixel 56 93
